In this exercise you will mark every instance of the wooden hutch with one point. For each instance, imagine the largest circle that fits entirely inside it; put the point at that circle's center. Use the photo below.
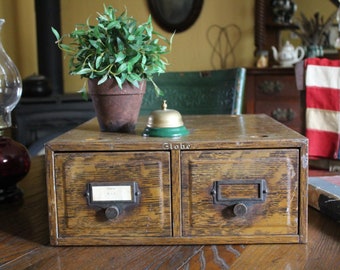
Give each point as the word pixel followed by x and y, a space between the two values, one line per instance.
pixel 273 90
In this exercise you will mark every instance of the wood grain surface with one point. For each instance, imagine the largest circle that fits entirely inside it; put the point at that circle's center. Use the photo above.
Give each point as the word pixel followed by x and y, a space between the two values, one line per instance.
pixel 24 244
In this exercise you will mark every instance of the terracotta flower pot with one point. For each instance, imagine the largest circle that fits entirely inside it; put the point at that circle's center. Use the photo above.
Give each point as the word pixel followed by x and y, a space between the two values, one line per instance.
pixel 117 109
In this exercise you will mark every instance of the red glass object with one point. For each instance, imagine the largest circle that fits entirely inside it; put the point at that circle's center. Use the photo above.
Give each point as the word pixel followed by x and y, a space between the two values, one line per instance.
pixel 14 165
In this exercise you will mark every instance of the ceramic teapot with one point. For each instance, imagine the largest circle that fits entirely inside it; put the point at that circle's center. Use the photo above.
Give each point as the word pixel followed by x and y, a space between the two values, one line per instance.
pixel 288 54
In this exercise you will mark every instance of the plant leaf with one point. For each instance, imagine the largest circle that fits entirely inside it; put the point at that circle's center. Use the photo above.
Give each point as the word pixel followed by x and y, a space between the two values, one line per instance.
pixel 56 33
pixel 103 79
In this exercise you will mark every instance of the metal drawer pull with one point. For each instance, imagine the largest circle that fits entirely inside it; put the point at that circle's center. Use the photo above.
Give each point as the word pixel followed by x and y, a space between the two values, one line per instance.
pixel 112 212
pixel 240 209
pixel 271 87
pixel 112 198
pixel 283 115
pixel 239 194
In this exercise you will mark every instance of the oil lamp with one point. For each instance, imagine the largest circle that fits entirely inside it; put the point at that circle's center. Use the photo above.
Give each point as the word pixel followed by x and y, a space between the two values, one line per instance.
pixel 14 157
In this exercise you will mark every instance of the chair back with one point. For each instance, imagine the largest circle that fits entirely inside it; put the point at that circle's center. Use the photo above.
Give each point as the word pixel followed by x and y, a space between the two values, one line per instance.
pixel 198 92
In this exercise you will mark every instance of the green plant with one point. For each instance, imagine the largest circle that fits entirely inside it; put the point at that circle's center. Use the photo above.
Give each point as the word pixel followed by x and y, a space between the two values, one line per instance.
pixel 116 47
pixel 313 31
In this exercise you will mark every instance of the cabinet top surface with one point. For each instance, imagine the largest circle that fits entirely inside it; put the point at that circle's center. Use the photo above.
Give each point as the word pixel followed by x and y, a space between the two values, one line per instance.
pixel 208 131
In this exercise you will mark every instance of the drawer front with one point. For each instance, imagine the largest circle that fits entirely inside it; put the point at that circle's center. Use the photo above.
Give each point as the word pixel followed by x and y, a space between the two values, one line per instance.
pixel 276 86
pixel 80 214
pixel 240 192
pixel 288 113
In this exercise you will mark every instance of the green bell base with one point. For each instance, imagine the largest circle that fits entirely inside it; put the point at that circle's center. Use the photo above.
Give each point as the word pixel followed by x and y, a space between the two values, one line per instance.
pixel 165 132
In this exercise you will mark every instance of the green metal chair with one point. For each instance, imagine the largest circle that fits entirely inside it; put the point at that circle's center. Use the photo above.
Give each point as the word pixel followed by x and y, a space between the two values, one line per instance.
pixel 198 92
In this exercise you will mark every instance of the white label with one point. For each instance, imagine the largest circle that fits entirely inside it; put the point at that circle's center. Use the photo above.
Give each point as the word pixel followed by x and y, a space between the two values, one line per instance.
pixel 111 193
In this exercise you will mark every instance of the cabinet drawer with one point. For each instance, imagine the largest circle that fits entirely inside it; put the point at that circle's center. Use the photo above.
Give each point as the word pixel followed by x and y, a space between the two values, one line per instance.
pixel 275 86
pixel 258 192
pixel 148 216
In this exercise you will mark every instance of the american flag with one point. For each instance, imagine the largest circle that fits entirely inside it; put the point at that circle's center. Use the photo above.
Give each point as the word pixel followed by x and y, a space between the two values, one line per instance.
pixel 323 107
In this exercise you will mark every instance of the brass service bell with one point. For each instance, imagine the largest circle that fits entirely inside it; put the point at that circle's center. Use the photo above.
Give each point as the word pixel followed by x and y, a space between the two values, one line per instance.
pixel 165 123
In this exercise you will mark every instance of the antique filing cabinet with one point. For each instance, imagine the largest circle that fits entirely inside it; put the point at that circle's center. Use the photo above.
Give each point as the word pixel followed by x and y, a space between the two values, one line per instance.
pixel 233 179
pixel 273 91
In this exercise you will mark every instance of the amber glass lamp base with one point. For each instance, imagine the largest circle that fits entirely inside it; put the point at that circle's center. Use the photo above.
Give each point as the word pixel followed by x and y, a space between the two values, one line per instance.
pixel 14 165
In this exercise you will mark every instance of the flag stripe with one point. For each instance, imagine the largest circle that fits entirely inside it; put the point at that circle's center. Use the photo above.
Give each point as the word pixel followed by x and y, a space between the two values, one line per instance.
pixel 322 120
pixel 326 147
pixel 323 76
pixel 323 98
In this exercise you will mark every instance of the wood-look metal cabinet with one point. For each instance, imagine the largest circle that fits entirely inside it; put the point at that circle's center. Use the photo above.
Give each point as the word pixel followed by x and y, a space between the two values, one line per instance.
pixel 233 179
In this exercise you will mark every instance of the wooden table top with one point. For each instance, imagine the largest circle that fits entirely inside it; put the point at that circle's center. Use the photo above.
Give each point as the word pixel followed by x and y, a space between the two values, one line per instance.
pixel 24 244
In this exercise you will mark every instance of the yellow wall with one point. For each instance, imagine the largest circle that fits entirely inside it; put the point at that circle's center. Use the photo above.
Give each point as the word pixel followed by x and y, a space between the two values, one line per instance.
pixel 19 35
pixel 309 7
pixel 191 49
